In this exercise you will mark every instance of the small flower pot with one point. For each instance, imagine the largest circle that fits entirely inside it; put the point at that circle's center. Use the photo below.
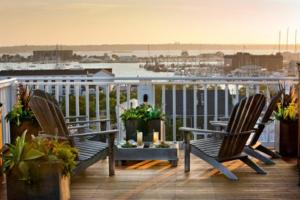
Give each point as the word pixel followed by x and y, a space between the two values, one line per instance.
pixel 152 126
pixel 132 126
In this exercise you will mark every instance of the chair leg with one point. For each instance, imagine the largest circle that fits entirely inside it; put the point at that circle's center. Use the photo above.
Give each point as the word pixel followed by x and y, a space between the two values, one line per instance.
pixel 111 155
pixel 268 151
pixel 187 157
pixel 251 152
pixel 213 162
pixel 251 164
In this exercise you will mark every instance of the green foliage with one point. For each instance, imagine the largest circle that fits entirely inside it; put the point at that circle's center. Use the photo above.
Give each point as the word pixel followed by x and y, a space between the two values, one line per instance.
pixel 128 145
pixel 21 110
pixel 19 114
pixel 286 113
pixel 23 158
pixel 162 145
pixel 154 113
pixel 143 112
pixel 130 114
pixel 287 107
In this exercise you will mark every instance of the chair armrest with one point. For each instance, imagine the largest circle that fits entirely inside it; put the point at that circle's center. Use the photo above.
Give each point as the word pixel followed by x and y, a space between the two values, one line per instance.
pixel 107 133
pixel 220 124
pixel 223 118
pixel 88 121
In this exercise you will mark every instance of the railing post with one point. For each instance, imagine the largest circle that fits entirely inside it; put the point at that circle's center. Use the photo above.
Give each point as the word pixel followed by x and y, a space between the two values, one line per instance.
pixel 163 108
pixel 237 95
pixel 205 107
pixel 97 107
pixel 174 112
pixel 153 94
pixel 184 105
pixel 128 96
pixel 87 102
pixel 247 91
pixel 216 102
pixel 107 108
pixel 77 100
pixel 67 102
pixel 119 137
pixel 195 102
pixel 57 92
pixel 226 100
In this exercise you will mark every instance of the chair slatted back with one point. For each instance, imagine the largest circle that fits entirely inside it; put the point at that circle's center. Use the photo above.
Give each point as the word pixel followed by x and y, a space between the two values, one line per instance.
pixel 272 106
pixel 266 117
pixel 45 116
pixel 48 115
pixel 243 118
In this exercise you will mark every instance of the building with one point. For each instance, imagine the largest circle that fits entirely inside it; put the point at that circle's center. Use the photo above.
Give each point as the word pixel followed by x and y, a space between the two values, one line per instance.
pixel 52 56
pixel 270 62
pixel 249 71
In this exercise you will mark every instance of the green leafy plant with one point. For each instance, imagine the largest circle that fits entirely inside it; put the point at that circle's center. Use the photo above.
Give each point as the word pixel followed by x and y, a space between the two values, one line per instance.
pixel 143 112
pixel 23 158
pixel 130 114
pixel 128 145
pixel 154 113
pixel 21 110
pixel 162 145
pixel 286 108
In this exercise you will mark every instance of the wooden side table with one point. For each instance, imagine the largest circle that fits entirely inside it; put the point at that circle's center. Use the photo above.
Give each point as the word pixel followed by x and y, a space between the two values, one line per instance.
pixel 152 153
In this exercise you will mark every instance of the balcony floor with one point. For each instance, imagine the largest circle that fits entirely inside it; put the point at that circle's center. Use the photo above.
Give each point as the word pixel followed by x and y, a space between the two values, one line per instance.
pixel 157 180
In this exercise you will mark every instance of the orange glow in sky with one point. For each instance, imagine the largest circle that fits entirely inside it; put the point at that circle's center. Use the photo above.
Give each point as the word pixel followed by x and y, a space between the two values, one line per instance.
pixel 146 21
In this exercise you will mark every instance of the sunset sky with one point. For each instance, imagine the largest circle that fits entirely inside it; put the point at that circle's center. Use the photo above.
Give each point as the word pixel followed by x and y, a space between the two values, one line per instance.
pixel 146 21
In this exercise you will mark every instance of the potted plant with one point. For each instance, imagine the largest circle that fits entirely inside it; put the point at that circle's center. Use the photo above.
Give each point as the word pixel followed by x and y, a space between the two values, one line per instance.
pixel 132 122
pixel 286 137
pixel 144 118
pixel 21 117
pixel 38 169
pixel 154 118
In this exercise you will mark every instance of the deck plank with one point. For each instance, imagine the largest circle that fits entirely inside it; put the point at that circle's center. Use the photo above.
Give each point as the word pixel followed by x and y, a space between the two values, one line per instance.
pixel 158 180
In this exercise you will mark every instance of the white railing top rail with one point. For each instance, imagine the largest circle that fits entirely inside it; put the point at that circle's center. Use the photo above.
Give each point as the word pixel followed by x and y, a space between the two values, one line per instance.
pixel 7 82
pixel 157 78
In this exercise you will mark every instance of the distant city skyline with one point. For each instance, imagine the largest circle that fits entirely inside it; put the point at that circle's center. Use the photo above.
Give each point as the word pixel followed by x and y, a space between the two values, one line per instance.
pixel 84 22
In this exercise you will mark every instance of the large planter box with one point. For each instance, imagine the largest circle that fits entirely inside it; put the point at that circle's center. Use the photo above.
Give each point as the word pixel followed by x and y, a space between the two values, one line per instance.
pixel 50 186
pixel 32 127
pixel 286 138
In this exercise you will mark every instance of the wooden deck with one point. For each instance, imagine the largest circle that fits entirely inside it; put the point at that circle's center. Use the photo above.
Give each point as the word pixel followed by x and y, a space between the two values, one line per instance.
pixel 158 180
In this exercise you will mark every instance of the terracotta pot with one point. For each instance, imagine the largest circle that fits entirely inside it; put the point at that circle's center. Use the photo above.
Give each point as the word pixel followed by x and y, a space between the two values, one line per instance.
pixel 50 185
pixel 32 127
pixel 287 138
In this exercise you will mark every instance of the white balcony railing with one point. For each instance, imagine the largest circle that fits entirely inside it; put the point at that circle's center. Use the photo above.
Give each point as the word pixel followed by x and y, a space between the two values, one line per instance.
pixel 187 101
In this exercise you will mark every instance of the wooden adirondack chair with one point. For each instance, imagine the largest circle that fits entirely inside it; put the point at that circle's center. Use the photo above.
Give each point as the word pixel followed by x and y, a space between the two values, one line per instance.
pixel 227 145
pixel 52 121
pixel 254 147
